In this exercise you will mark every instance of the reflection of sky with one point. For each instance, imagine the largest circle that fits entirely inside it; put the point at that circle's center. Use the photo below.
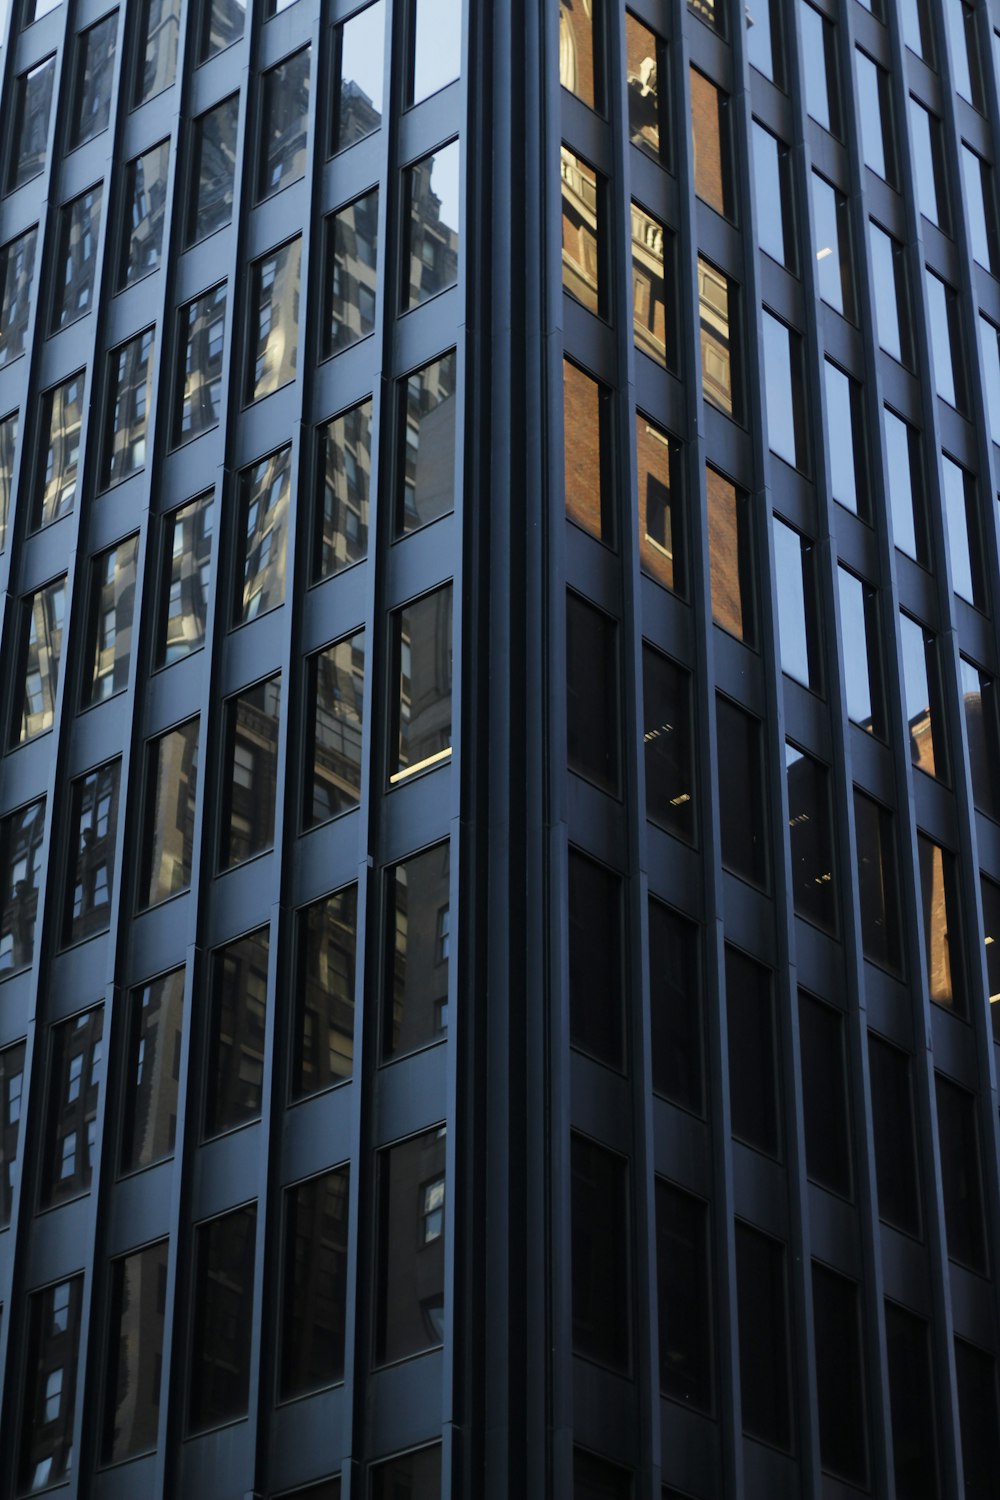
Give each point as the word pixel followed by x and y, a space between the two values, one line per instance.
pixel 437 46
pixel 915 693
pixel 444 183
pixel 855 646
pixel 956 521
pixel 362 59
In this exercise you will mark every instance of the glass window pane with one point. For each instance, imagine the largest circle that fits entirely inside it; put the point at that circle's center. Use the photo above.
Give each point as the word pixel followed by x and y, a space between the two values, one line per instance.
pixel 675 1009
pixel 741 793
pixel 222 24
pixel 945 347
pixel 314 1291
pixel 285 119
pixel 76 257
pixel 168 839
pixel 418 939
pixel 762 1306
pixel 250 772
pixel 845 441
pixel 128 401
pixel 874 109
pixel 62 415
pixel 421 638
pixel 323 1041
pixel 198 388
pixel 49 1386
pixel 426 408
pixel 581 50
pixel 661 538
pixel 431 217
pixel 840 1376
pixel 753 1065
pixel 146 192
pixel 352 256
pixel 888 291
pixel 409 1289
pixel 583 232
pixel 596 977
pixel 262 536
pixel 928 165
pixel 773 187
pixel 764 42
pixel 810 831
pixel 95 69
pixel 713 173
pixel 717 312
pixel 795 591
pixel 222 1331
pixel 819 79
pixel 832 230
pixel 236 1038
pixel 990 897
pixel 93 830
pixel 435 47
pixel 359 69
pixel 964 54
pixel 135 1354
pixel 979 1416
pixel 592 732
pixel 21 836
pixel 922 699
pixel 345 465
pixel 877 883
pixel 784 391
pixel 979 703
pixel 666 696
pixel 589 482
pixel 160 29
pixel 903 467
pixel 17 269
pixel 645 67
pixel 977 178
pixel 961 526
pixel 594 1478
pixel 652 288
pixel 153 1070
pixel 859 629
pixel 29 139
pixel 75 1070
pixel 989 344
pixel 11 1098
pixel 274 303
pixel 44 620
pixel 187 556
pixel 337 677
pixel 730 543
pixel 213 168
pixel 684 1289
pixel 958 1141
pixel 911 1394
pixel 916 28
pixel 601 1280
pixel 417 1476
pixel 893 1131
pixel 824 1095
pixel 112 603
pixel 8 449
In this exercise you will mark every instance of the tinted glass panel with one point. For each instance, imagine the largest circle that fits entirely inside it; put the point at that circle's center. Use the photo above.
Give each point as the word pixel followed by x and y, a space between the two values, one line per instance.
pixel 161 21
pixel 8 448
pixel 76 1065
pixel 762 1305
pixel 717 312
pixel 418 937
pixel 314 1295
pixel 979 701
pixel 359 44
pixel 95 68
pixel 819 80
pixel 11 1099
pixel 219 1378
pixel 262 536
pixel 946 352
pixel 772 186
pixel 581 37
pixel 730 544
pixel 888 291
pixel 784 392
pixel 824 1095
pixel 595 960
pixel 93 830
pixel 911 1395
pixel 990 350
pixel 645 67
pixel 666 698
pixel 435 46
pixel 845 441
pixel 589 482
pixel 595 1479
pixel 146 193
pixel 324 1025
pixel 431 216
pixel 171 787
pixel 742 813
pixel 592 693
pixel 138 1304
pixel 713 176
pixel 338 683
pixel 859 629
pixel 877 887
pixel 222 24
pixel 32 105
pixel 414 1476
pixel 990 895
pixel 798 625
pixel 409 1313
pixel 874 109
pixel 928 164
pixel 152 1079
pixel 661 538
pixel 979 1415
pixel 187 556
pixel 683 1278
pixel 895 1142
pixel 129 390
pixel 236 1043
pixel 753 1075
pixel 76 257
pixel 49 1389
pixel 285 111
pixel 922 699
pixel 213 168
pixel 903 467
pixel 958 1140
pixel 21 835
pixel 198 392
pixel 345 464
pixel 764 51
pixel 17 267
pixel 675 1008
pixel 840 1375
pixel 601 1279
pixel 652 288
pixel 426 455
pixel 111 608
pixel 251 771
pixel 832 232
pixel 422 643
pixel 44 619
pixel 810 832
pixel 59 451
pixel 962 528
pixel 352 256
pixel 274 301
pixel 939 902
pixel 582 232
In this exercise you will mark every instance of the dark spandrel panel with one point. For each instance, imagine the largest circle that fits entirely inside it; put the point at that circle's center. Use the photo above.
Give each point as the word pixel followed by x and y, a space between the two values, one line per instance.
pixel 979 1416
pixel 409 1300
pixel 877 883
pixel 730 544
pixel 661 532
pixel 185 583
pixel 314 1294
pixel 413 1476
pixel 670 783
pixel 596 1479
pixel 17 267
pixel 431 215
pixel 894 1138
pixel 942 923
pixel 345 464
pixel 753 1069
pixel 592 709
pixel 262 536
pixel 337 679
pixel 601 1241
pixel 359 70
pixel 222 24
pixel 911 1395
pixel 961 1184
pixel 29 138
pixel 587 441
pixel 762 1306
pixel 222 1325
pixel 798 613
pixel 274 305
pixel 285 118
pixel 138 1305
pixel 418 939
pixel 128 401
pixel 423 653
pixel 93 832
pixel 153 1070
pixel 990 896
pixel 198 389
pixel 352 273
pixel 76 257
pixel 840 1376
pixel 717 311
pixel 583 248
pixel 323 1041
pixel 146 194
pixel 168 836
pixel 160 30
pixel 434 50
pixel 21 835
pixel 44 621
pixel 861 652
pixel 713 173
pixel 646 81
pixel 810 833
pixel 112 604
pixel 426 446
pixel 742 799
pixel 50 1373
pixel 213 169
pixel 95 70
pixel 581 50
pixel 979 701
pixel 819 58
pixel 596 978
pixel 8 448
pixel 76 1065
pixel 683 1277
pixel 675 1009
pixel 236 1040
pixel 59 452
pixel 832 229
pixel 824 1095
pixel 251 772
pixel 11 1098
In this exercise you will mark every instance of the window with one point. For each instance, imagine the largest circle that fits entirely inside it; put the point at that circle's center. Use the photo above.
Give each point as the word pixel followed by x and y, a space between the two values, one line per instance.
pixel 877 883
pixel 773 189
pixel 416 991
pixel 966 73
pixel 250 772
pixel 601 1279
pixel 337 680
pixel 862 658
pixel 11 1098
pixel 359 64
pixel 819 78
pixel 989 344
pixel 661 536
pixel 146 192
pixel 962 529
pixel 135 1353
pixel 714 180
pixel 889 294
pixel 730 545
pixel 112 600
pixel 130 382
pixel 646 66
pixel 784 390
pixel 94 831
pixel 198 378
pixel 345 465
pixel 762 1308
pixel 583 233
pixel 314 1290
pixel 17 269
pixel 431 219
pixel 592 725
pixel 911 1397
pixel 236 1036
pixel 742 799
pixel 922 699
pixel 409 1284
pixel 810 832
pixel 587 453
pixel 425 484
pixel 274 333
pixel 958 1143
pixel 905 471
pixel 666 696
pixel 219 1371
pixel 213 169
pixel 893 1131
pixel 45 1451
pixel 416 1475
pixel 764 40
pixel 946 343
pixel 977 177
pixel 323 1041
pixel 21 837
pixel 30 134
pixel 434 50
pixel 840 1376
pixel 284 124
pixel 928 165
pixel 824 1095
pixel 684 1291
pixel 76 257
pixel 159 31
pixel 875 110
pixel 581 51
pixel 979 703
pixel 44 616
pixel 917 32
pixel 352 255
pixel 8 448
pixel 152 1072
pixel 76 1065
pixel 185 580
pixel 990 896
pixel 753 1063
pixel 979 1417
pixel 422 656
pixel 832 238
pixel 95 71
pixel 222 23
pixel 59 451
pixel 168 837
pixel 676 1023
pixel 653 276
pixel 596 968
pixel 795 592
pixel 594 1478
pixel 719 362
pixel 262 536
pixel 845 440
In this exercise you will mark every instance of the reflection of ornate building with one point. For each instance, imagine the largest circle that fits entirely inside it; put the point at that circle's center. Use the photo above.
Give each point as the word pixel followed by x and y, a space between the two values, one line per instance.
pixel 433 244
pixel 266 492
pixel 63 414
pixel 41 667
pixel 21 837
pixel 425 680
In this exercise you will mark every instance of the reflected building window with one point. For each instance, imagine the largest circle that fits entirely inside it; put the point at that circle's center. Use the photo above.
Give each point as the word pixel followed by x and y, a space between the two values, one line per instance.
pixel 236 1038
pixel 17 269
pixel 421 638
pixel 645 67
pixel 157 61
pixel 146 193
pixel 250 772
pixel 8 448
pixel 323 1041
pixel 352 273
pixel 222 23
pixel 409 1285
pixel 653 275
pixel 76 257
pixel 431 217
pixel 198 381
pixel 434 47
pixel 336 704
pixel 213 169
pixel 168 837
pixel 922 699
pixel 285 119
pixel 95 70
pixel 128 404
pixel 581 50
pixel 587 453
pixel 359 65
pixel 661 535
pixel 11 1104
pixel 274 304
pixel 62 416
pixel 222 1331
pixel 152 1072
pixel 137 1326
pixel 426 487
pixel 185 586
pixel 75 1071
pixel 30 134
pixel 262 536
pixel 314 1293
pixel 94 830
pixel 717 313
pixel 21 837
pixel 112 603
pixel 45 1451
pixel 583 232
pixel 345 467
pixel 44 618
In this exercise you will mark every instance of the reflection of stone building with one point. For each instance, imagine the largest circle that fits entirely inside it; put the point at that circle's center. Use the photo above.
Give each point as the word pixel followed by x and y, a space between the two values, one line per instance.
pixel 201 375
pixel 354 254
pixel 425 680
pixel 20 844
pixel 41 666
pixel 53 1346
pixel 347 462
pixel 413 1245
pixel 266 492
pixel 77 1063
pixel 132 380
pixel 112 621
pixel 154 1062
pixel 11 1091
pixel 421 946
pixel 649 316
pixel 580 230
pixel 97 825
pixel 140 1296
pixel 187 589
pixel 316 1251
pixel 159 63
pixel 326 1054
pixel 429 474
pixel 716 347
pixel 576 47
pixel 433 244
pixel 81 223
pixel 339 699
pixel 63 414
pixel 170 854
pixel 357 116
pixel 276 299
pixel 237 1067
pixel 250 825
pixel 17 266
pixel 8 447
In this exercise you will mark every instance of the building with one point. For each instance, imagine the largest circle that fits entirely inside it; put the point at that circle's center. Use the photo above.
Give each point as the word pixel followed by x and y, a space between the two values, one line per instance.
pixel 500 776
